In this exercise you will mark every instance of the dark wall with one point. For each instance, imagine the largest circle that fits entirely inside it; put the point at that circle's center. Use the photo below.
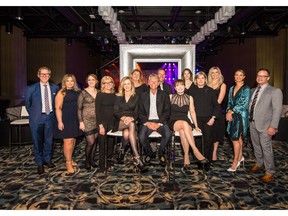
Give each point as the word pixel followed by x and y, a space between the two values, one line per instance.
pixel 233 56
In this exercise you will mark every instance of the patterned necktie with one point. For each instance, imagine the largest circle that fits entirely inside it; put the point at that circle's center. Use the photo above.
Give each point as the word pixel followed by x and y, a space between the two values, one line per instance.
pixel 253 103
pixel 46 100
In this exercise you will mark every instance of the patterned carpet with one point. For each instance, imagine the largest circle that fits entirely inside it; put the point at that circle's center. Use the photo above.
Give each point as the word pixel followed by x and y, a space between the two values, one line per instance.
pixel 123 188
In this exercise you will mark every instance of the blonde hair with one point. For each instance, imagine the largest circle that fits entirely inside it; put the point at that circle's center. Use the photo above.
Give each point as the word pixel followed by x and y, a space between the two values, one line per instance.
pixel 190 72
pixel 107 78
pixel 95 77
pixel 64 79
pixel 209 79
pixel 141 75
pixel 43 68
pixel 121 90
pixel 199 74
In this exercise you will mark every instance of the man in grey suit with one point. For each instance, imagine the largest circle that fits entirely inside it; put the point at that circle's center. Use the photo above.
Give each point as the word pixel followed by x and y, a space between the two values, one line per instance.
pixel 265 111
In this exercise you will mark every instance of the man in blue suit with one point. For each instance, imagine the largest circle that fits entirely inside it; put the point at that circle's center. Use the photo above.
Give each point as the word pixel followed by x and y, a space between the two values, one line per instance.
pixel 39 102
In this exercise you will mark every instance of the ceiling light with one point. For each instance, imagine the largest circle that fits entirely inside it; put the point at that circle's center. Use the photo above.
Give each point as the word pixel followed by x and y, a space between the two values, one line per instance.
pixel 92 16
pixel 92 28
pixel 121 11
pixel 198 12
pixel 9 28
pixel 69 41
pixel 19 14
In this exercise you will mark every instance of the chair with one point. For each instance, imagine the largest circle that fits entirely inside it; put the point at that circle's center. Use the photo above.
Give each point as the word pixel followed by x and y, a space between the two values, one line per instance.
pixel 17 121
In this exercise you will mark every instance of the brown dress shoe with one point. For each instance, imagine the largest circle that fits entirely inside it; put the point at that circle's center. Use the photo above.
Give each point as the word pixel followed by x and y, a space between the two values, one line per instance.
pixel 255 168
pixel 267 178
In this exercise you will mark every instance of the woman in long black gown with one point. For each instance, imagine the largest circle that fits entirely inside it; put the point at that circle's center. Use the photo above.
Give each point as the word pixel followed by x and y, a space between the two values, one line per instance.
pixel 105 119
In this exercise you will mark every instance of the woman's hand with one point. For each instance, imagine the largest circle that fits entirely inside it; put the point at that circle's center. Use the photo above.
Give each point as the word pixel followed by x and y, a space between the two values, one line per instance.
pixel 82 126
pixel 211 121
pixel 101 130
pixel 128 120
pixel 60 126
pixel 198 129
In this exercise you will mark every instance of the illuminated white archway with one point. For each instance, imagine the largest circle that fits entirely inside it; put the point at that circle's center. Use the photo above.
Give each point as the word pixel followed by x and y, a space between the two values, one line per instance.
pixel 131 54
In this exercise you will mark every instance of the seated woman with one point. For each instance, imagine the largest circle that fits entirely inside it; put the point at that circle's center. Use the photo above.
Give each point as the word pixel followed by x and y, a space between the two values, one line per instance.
pixel 181 103
pixel 126 113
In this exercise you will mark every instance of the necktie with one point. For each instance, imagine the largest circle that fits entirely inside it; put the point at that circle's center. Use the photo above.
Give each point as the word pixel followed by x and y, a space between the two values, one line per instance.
pixel 46 100
pixel 253 103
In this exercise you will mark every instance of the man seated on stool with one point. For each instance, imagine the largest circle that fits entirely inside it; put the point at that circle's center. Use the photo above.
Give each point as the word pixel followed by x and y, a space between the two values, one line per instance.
pixel 154 112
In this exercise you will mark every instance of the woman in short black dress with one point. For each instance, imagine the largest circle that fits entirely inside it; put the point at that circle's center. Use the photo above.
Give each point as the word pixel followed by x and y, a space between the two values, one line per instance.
pixel 66 114
pixel 87 118
pixel 181 104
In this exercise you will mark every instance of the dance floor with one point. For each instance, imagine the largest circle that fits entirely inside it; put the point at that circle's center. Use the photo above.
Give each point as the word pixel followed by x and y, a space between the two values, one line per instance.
pixel 22 188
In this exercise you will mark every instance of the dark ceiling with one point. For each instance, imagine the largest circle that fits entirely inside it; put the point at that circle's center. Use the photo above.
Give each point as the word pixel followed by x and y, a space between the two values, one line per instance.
pixel 145 25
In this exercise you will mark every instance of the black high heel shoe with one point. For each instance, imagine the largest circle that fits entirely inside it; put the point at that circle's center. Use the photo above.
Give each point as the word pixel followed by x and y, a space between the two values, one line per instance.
pixel 120 156
pixel 87 165
pixel 139 164
pixel 93 164
pixel 204 161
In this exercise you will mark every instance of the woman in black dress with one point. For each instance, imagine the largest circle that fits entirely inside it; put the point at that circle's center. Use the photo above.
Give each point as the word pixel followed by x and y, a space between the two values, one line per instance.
pixel 126 113
pixel 216 82
pixel 66 114
pixel 181 105
pixel 87 118
pixel 187 77
pixel 137 78
pixel 105 117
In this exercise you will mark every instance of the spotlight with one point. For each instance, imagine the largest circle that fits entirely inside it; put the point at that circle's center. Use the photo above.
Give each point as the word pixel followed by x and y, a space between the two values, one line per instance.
pixel 80 29
pixel 19 14
pixel 173 41
pixel 130 40
pixel 106 41
pixel 187 40
pixel 69 41
pixel 9 28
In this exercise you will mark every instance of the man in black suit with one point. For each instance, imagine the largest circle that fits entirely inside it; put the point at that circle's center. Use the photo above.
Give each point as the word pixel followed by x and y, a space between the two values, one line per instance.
pixel 162 85
pixel 154 112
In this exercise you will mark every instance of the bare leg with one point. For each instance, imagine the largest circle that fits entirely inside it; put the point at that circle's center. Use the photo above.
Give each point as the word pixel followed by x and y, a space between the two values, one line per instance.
pixel 68 148
pixel 237 147
pixel 183 125
pixel 214 156
pixel 185 146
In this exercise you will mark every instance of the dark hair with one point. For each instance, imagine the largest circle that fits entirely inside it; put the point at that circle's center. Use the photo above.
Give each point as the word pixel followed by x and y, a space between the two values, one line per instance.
pixel 264 69
pixel 179 81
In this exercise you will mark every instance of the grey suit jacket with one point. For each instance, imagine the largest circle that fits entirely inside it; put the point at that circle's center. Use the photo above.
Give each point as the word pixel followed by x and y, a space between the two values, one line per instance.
pixel 267 111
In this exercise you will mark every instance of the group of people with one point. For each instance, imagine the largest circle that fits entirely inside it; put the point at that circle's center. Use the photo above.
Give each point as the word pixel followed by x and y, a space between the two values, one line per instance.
pixel 138 109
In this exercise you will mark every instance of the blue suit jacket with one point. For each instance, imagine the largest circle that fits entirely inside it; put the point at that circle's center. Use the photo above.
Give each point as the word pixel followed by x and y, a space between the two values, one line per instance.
pixel 33 101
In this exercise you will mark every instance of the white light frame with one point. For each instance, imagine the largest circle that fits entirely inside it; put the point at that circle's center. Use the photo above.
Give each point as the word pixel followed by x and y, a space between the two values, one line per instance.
pixel 131 54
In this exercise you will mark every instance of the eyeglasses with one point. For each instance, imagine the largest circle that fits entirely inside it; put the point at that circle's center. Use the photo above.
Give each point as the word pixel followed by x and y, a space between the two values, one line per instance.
pixel 107 83
pixel 42 75
pixel 260 76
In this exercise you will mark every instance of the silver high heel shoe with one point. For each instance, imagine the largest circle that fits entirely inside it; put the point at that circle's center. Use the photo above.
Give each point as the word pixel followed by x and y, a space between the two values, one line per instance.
pixel 234 170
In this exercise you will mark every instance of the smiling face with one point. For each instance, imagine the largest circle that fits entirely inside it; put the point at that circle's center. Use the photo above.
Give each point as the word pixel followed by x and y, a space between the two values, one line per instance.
pixel 215 74
pixel 161 75
pixel 239 76
pixel 44 75
pixel 136 76
pixel 262 77
pixel 179 87
pixel 187 75
pixel 127 85
pixel 91 81
pixel 200 81
pixel 153 83
pixel 69 83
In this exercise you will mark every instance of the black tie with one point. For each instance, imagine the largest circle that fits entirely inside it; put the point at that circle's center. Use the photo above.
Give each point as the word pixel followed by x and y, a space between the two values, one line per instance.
pixel 253 103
